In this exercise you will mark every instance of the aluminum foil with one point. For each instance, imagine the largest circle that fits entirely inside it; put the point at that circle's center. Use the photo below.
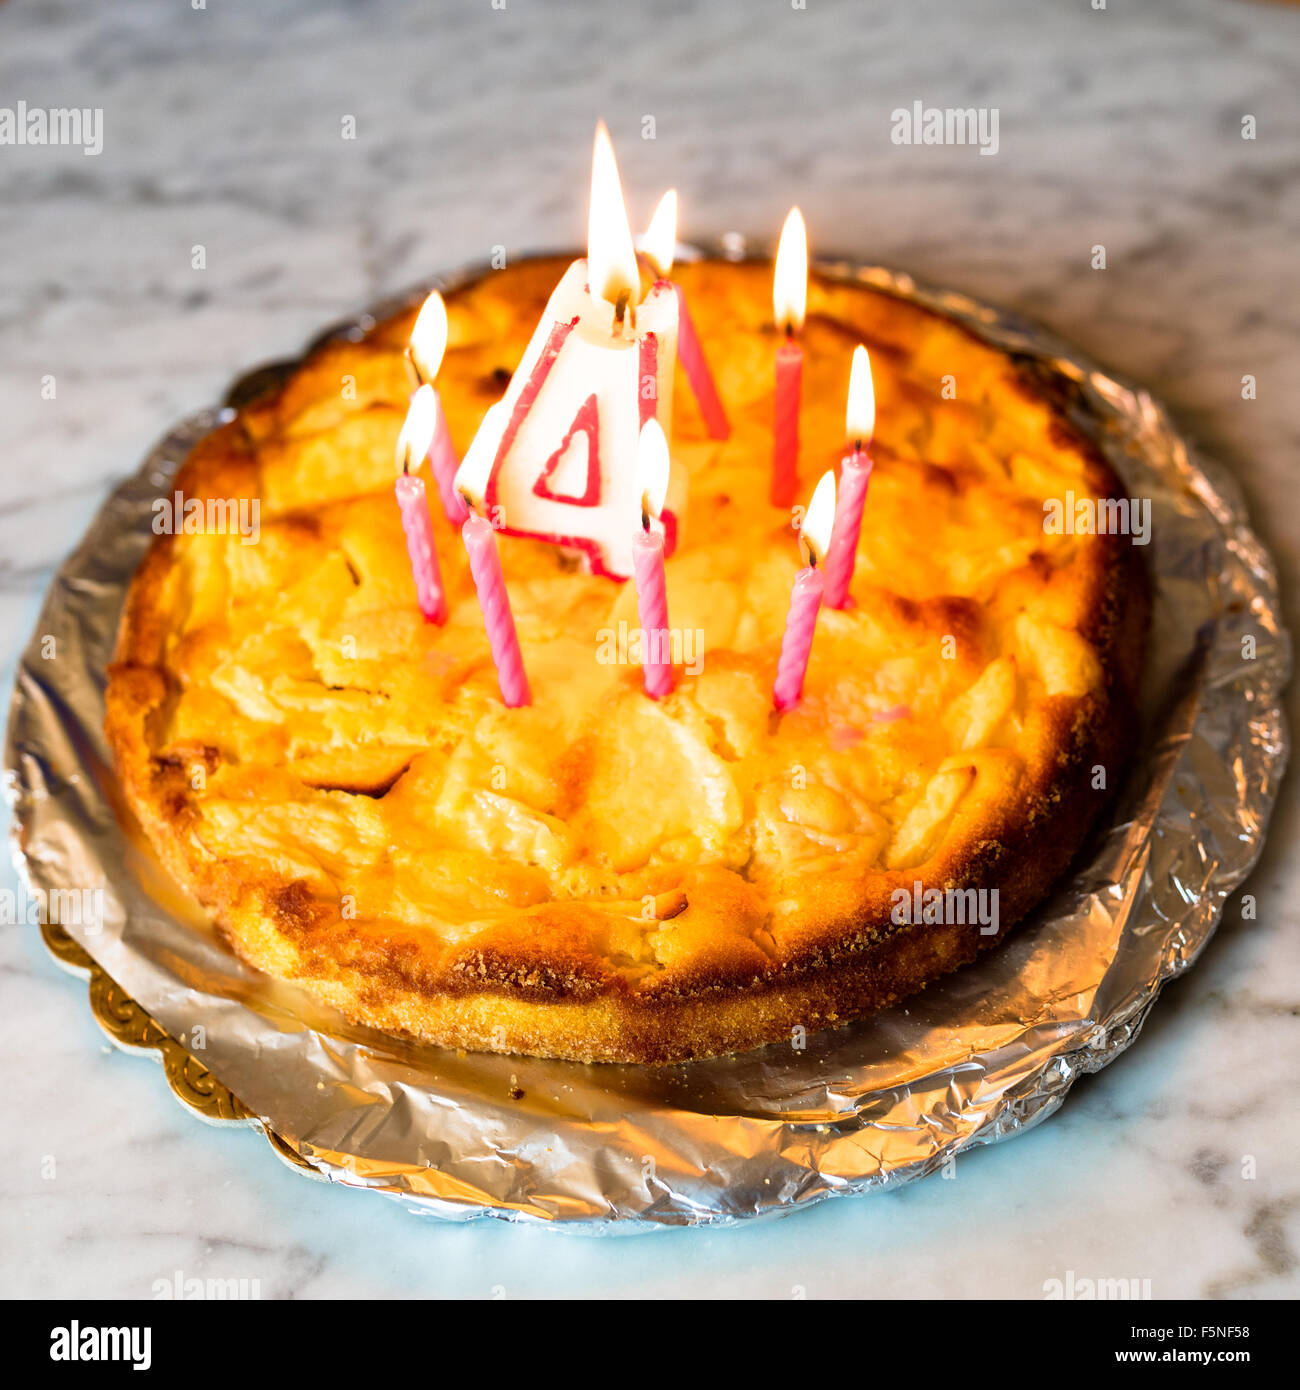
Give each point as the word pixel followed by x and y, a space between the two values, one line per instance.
pixel 972 1060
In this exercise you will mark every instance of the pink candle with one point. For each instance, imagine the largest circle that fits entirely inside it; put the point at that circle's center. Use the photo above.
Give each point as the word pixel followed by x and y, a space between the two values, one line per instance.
pixel 805 598
pixel 785 434
pixel 796 644
pixel 659 246
pixel 691 355
pixel 855 474
pixel 789 301
pixel 652 605
pixel 652 470
pixel 424 356
pixel 412 445
pixel 485 566
pixel 444 463
pixel 414 506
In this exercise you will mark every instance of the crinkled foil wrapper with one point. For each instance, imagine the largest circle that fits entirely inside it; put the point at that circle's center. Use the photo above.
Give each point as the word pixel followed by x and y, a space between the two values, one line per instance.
pixel 974 1059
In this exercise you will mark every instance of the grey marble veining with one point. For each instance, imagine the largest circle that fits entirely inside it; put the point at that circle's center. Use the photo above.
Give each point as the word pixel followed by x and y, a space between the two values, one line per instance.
pixel 222 128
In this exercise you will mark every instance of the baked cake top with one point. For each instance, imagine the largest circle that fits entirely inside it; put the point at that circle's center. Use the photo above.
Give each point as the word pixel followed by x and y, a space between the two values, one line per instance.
pixel 341 782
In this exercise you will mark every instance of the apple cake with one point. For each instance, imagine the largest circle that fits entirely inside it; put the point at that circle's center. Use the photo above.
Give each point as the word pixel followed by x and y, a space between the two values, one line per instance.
pixel 600 876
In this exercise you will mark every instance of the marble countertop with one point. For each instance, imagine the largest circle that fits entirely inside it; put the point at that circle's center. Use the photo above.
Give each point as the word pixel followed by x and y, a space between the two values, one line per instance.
pixel 223 128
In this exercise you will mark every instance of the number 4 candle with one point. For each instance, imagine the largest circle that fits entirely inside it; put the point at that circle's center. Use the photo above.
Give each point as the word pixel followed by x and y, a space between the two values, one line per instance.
pixel 855 474
pixel 413 443
pixel 789 297
pixel 599 365
pixel 805 597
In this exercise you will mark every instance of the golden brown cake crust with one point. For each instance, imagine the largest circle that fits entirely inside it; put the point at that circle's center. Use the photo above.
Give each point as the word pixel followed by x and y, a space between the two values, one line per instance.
pixel 601 877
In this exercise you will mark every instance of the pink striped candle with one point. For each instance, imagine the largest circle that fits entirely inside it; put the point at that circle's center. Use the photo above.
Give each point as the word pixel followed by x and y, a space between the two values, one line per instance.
pixel 485 566
pixel 785 432
pixel 652 607
pixel 659 246
pixel 842 555
pixel 796 644
pixel 414 506
pixel 444 463
pixel 652 470
pixel 424 354
pixel 413 444
pixel 690 354
pixel 789 301
pixel 855 474
pixel 805 598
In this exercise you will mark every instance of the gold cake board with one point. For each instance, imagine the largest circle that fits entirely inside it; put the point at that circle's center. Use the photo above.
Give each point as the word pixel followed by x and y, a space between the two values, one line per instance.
pixel 130 1027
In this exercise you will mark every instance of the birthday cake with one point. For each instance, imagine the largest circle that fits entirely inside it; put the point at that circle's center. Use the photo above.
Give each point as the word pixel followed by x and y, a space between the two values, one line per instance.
pixel 595 874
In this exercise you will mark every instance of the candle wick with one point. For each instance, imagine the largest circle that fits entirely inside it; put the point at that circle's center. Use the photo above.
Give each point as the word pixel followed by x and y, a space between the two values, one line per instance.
pixel 621 306
pixel 412 368
pixel 789 331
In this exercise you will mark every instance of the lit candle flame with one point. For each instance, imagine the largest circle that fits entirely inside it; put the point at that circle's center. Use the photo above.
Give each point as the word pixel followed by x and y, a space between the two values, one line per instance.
pixel 815 533
pixel 611 257
pixel 476 467
pixel 659 243
pixel 429 338
pixel 790 276
pixel 860 418
pixel 417 429
pixel 652 470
